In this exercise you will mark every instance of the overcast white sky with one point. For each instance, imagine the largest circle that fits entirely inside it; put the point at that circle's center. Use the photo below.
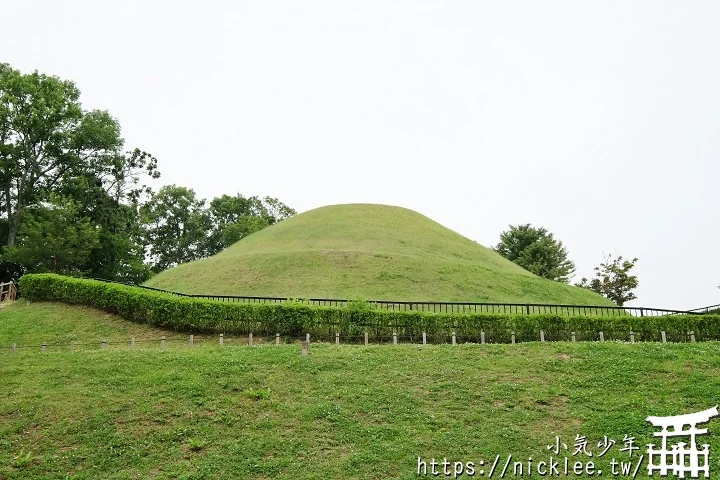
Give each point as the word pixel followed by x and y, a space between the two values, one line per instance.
pixel 597 121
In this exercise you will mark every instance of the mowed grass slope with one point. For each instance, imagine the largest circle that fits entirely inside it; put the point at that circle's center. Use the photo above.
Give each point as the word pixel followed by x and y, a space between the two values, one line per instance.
pixel 347 412
pixel 366 252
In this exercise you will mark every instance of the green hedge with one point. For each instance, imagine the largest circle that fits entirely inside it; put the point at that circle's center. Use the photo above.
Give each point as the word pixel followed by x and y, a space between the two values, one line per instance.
pixel 295 319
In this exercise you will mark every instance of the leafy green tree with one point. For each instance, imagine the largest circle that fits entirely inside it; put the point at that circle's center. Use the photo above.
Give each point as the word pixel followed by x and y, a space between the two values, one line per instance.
pixel 536 250
pixel 49 144
pixel 613 280
pixel 235 217
pixel 119 255
pixel 55 238
pixel 244 226
pixel 176 227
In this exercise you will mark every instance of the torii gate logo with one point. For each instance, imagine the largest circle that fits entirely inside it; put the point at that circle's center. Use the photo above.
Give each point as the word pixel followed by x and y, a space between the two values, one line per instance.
pixel 681 458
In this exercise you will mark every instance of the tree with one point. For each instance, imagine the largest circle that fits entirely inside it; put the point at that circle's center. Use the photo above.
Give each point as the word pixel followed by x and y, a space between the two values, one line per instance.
pixel 176 227
pixel 119 254
pixel 537 251
pixel 613 280
pixel 235 217
pixel 51 148
pixel 54 238
pixel 46 137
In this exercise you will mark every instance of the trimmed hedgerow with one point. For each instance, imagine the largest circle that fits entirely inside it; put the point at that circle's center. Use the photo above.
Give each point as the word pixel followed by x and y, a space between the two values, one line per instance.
pixel 295 318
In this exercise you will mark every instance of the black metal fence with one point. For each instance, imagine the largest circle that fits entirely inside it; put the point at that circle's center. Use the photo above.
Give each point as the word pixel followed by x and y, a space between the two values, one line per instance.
pixel 457 307
pixel 703 310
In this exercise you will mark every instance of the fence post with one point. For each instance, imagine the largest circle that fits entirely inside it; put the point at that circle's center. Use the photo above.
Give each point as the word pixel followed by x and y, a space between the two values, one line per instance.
pixel 305 348
pixel 366 339
pixel 642 312
pixel 277 339
pixel 394 338
pixel 542 335
pixel 572 336
pixel 103 344
pixel 602 337
pixel 632 336
pixel 132 342
pixel 337 338
pixel 424 338
pixel 192 340
pixel 528 309
pixel 12 349
pixel 307 338
pixel 512 338
pixel 692 336
pixel 454 339
pixel 222 339
pixel 250 343
pixel 162 342
pixel 482 336
pixel 664 337
pixel 42 347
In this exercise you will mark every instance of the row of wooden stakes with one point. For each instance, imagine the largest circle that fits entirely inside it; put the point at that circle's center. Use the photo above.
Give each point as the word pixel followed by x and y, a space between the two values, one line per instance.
pixel 306 343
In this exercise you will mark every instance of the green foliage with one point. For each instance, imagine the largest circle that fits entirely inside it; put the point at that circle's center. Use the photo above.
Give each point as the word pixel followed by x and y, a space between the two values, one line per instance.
pixel 54 238
pixel 50 146
pixel 294 318
pixel 613 280
pixel 176 227
pixel 537 251
pixel 235 217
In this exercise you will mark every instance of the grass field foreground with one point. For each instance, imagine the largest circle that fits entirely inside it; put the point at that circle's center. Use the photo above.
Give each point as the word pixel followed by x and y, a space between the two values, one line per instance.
pixel 343 412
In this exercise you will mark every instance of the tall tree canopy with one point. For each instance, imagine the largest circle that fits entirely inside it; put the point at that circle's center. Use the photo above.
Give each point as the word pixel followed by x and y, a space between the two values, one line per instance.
pixel 536 250
pixel 50 147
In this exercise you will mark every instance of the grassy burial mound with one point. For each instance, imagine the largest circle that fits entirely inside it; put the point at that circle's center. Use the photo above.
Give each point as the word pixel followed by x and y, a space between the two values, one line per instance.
pixel 371 252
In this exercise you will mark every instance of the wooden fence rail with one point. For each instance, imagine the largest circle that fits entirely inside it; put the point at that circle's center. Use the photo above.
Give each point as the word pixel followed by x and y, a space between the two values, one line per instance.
pixel 8 291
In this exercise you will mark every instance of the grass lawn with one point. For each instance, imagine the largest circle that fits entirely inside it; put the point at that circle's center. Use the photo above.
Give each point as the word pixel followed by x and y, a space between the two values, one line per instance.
pixel 366 252
pixel 344 412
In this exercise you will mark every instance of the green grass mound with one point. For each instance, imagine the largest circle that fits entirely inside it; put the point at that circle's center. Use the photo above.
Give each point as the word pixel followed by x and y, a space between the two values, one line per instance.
pixel 371 252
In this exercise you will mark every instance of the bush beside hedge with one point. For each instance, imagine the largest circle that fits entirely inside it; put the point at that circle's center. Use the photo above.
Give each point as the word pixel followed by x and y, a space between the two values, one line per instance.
pixel 294 319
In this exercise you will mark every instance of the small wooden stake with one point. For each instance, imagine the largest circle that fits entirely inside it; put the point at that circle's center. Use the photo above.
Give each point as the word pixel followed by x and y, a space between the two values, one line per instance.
pixel 632 336
pixel 277 339
pixel 482 336
pixel 542 335
pixel 424 338
pixel 307 338
pixel 692 336
pixel 664 337
pixel 366 339
pixel 103 344
pixel 250 340
pixel 337 338
pixel 162 342
pixel 132 342
pixel 602 337
pixel 12 349
pixel 42 347
pixel 221 341
pixel 572 336
pixel 454 339
pixel 72 346
pixel 305 348
pixel 512 338
pixel 192 340
pixel 394 338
